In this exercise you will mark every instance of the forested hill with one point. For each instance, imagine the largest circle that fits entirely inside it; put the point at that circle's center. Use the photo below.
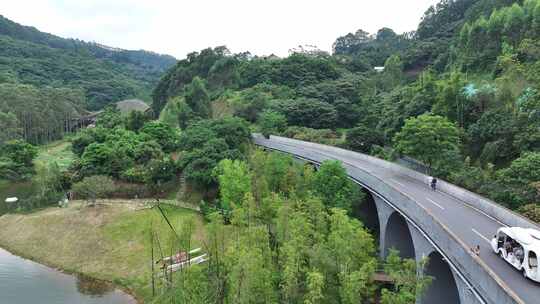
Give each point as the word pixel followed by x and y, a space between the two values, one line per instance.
pixel 461 94
pixel 431 45
pixel 104 74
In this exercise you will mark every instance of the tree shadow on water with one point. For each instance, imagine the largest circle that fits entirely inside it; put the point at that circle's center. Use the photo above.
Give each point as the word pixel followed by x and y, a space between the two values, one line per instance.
pixel 93 287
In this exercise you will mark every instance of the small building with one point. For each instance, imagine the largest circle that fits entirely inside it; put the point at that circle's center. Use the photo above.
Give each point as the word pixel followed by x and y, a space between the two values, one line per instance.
pixel 379 69
pixel 126 106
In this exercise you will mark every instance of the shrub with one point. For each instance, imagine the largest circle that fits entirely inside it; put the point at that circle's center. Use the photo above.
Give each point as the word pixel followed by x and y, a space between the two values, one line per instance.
pixel 162 133
pixel 271 122
pixel 19 152
pixel 362 139
pixel 311 113
pixel 322 136
pixel 94 187
pixel 530 211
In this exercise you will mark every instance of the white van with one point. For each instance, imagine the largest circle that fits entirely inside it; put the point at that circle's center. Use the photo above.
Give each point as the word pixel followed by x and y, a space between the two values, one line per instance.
pixel 520 248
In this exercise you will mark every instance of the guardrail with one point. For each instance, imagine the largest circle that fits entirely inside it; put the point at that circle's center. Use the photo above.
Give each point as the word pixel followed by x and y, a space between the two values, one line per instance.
pixel 487 285
pixel 501 214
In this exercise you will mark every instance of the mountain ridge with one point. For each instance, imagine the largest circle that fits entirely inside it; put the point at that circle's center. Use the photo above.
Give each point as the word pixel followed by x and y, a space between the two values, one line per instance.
pixel 105 74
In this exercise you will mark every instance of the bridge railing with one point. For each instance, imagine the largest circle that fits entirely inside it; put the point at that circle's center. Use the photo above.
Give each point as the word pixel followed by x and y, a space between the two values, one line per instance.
pixel 486 283
pixel 492 209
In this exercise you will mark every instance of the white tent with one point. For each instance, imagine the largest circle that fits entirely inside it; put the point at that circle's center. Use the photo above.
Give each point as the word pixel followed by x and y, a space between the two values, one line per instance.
pixel 11 200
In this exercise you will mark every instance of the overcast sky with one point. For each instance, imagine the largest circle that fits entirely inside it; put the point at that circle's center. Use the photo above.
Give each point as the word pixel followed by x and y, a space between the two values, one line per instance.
pixel 180 27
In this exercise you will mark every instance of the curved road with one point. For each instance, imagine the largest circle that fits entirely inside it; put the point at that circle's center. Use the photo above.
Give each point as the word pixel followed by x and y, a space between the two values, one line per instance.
pixel 470 225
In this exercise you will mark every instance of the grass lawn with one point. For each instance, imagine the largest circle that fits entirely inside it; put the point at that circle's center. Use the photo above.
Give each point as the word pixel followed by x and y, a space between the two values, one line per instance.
pixel 58 151
pixel 109 242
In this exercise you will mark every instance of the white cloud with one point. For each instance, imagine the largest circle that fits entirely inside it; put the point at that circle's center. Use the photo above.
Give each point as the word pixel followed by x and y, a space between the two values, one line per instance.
pixel 180 27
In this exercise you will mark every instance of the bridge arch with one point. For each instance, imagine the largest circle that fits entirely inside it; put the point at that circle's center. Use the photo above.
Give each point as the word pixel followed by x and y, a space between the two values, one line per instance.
pixel 366 211
pixel 398 236
pixel 476 283
pixel 443 288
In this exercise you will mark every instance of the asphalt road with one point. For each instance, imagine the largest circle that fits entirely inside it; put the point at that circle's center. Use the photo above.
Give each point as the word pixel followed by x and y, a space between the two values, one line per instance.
pixel 468 224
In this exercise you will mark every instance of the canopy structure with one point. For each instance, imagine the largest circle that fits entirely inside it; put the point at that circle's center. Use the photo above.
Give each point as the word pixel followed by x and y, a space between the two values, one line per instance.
pixel 529 238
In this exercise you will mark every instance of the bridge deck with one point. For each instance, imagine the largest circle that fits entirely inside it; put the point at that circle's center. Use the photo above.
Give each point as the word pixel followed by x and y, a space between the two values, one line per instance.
pixel 470 225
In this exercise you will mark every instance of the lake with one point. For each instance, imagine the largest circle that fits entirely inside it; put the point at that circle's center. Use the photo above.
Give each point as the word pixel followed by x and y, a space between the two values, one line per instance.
pixel 25 282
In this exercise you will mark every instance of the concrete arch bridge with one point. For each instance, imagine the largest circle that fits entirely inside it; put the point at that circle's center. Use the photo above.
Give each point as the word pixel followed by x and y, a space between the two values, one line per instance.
pixel 442 225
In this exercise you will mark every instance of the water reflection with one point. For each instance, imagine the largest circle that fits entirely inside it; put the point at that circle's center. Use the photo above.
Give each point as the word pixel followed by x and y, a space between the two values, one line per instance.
pixel 25 282
pixel 92 287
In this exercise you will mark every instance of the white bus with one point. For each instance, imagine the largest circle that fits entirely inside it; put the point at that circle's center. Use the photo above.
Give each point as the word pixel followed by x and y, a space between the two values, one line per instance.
pixel 519 247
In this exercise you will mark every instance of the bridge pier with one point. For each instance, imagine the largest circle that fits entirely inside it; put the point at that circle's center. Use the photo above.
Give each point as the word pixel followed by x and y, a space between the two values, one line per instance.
pixel 466 295
pixel 446 287
pixel 422 247
pixel 451 286
pixel 383 212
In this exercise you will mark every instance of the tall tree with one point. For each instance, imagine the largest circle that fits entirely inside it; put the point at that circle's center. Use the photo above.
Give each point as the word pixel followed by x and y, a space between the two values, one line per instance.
pixel 10 126
pixel 353 262
pixel 408 286
pixel 234 182
pixel 250 267
pixel 334 187
pixel 272 122
pixel 429 138
pixel 393 71
pixel 311 113
pixel 315 288
pixel 198 99
pixel 514 23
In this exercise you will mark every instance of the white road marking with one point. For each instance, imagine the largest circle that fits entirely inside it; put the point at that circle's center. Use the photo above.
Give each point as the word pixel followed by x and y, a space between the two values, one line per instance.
pixel 480 235
pixel 434 203
pixel 468 205
pixel 402 185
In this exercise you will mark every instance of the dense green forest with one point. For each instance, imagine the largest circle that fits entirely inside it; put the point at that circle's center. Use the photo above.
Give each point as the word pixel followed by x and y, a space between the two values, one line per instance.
pixel 470 115
pixel 105 74
pixel 287 239
pixel 460 94
pixel 47 82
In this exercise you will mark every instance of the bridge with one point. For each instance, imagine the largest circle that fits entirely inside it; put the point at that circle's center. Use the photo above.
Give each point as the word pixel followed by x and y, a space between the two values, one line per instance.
pixel 442 225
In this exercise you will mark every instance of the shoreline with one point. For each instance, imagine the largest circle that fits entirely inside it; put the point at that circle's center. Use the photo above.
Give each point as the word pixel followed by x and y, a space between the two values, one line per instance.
pixel 71 272
pixel 107 244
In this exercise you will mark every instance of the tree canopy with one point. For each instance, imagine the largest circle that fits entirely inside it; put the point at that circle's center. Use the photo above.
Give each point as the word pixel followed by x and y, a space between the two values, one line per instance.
pixel 103 74
pixel 429 138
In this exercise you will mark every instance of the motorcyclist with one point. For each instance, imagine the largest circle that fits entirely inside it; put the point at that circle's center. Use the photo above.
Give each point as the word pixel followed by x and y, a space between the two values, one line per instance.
pixel 433 183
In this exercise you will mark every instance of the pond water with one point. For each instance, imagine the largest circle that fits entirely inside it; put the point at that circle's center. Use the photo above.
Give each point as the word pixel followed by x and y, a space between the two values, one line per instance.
pixel 26 282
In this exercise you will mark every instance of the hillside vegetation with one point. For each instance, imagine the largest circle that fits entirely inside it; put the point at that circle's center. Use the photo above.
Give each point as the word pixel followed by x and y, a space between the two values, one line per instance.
pixel 105 74
pixel 278 231
pixel 460 94
pixel 47 82
pixel 109 242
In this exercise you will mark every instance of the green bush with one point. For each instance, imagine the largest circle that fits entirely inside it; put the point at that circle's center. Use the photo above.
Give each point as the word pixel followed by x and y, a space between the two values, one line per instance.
pixel 531 211
pixel 322 136
pixel 135 174
pixel 94 187
pixel 19 152
pixel 362 139
pixel 165 135
pixel 16 160
pixel 272 122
